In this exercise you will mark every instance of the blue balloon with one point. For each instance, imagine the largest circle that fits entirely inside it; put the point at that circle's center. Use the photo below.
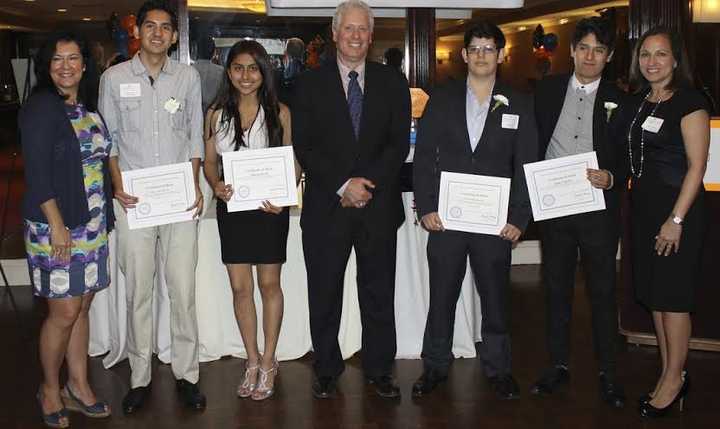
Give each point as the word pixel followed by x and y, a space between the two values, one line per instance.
pixel 550 41
pixel 120 37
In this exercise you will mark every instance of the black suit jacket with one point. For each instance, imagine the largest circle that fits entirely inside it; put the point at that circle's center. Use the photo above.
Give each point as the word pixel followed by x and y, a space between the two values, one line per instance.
pixel 443 144
pixel 608 137
pixel 329 153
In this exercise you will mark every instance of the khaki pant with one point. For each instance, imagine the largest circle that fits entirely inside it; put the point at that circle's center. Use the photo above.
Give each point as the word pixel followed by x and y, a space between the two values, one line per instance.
pixel 176 259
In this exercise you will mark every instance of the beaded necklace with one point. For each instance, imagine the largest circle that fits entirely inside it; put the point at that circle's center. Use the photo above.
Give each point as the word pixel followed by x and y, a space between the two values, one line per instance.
pixel 642 137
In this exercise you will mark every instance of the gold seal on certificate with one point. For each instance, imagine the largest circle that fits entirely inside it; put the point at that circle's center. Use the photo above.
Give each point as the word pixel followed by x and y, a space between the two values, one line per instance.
pixel 164 194
pixel 560 187
pixel 258 175
pixel 473 203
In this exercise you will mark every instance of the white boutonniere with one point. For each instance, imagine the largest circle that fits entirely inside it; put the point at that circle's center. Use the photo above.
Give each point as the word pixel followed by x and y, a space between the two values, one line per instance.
pixel 609 108
pixel 500 100
pixel 172 105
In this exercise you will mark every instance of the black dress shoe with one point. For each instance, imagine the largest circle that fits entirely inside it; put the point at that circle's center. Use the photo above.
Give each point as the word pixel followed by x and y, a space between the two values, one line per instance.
pixel 135 399
pixel 385 386
pixel 551 380
pixel 428 381
pixel 190 395
pixel 324 387
pixel 505 387
pixel 611 392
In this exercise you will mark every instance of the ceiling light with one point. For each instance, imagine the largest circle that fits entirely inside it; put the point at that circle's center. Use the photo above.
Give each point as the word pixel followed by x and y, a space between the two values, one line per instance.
pixel 62 10
pixel 564 21
pixel 522 28
pixel 87 19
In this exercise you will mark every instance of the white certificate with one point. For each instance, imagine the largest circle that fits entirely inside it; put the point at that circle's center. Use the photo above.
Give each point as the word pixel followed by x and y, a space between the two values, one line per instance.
pixel 164 194
pixel 257 175
pixel 560 187
pixel 473 203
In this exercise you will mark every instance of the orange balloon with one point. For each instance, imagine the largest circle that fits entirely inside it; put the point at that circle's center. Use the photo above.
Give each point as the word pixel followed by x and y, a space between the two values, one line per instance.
pixel 133 46
pixel 128 23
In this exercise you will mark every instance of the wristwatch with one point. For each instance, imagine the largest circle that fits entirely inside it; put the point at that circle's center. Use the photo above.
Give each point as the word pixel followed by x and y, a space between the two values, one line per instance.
pixel 677 220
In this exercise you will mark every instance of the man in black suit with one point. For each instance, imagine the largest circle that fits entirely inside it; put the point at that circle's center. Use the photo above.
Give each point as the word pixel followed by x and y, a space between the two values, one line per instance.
pixel 478 126
pixel 351 124
pixel 579 113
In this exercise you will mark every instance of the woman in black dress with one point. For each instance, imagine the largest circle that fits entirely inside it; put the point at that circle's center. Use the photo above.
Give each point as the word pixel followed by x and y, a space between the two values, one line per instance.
pixel 247 115
pixel 668 143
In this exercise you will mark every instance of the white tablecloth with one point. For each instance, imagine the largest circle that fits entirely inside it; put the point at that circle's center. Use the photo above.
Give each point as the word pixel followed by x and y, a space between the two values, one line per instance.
pixel 218 331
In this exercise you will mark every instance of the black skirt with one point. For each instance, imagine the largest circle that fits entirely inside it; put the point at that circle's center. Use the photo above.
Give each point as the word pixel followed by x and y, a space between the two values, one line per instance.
pixel 252 237
pixel 665 283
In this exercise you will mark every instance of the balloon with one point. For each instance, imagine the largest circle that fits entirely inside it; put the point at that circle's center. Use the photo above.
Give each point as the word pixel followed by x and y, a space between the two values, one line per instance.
pixel 128 22
pixel 538 36
pixel 133 46
pixel 550 42
pixel 120 37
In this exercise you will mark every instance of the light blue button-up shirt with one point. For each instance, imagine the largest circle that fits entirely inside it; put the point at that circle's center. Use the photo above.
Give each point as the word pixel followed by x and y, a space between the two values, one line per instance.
pixel 476 113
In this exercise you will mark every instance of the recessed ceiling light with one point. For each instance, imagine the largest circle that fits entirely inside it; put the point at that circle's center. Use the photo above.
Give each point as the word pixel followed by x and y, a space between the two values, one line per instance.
pixel 29 1
pixel 564 21
pixel 62 10
pixel 522 28
pixel 87 19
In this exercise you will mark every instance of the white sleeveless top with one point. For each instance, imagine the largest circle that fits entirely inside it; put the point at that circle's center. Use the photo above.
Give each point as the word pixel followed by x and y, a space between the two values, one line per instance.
pixel 254 138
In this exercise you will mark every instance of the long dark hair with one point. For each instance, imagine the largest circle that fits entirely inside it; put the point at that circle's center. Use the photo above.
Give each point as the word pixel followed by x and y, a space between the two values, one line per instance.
pixel 228 97
pixel 682 74
pixel 90 81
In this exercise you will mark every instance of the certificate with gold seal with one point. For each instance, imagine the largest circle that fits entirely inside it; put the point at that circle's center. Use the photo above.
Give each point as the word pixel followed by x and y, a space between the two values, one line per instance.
pixel 258 175
pixel 473 203
pixel 164 194
pixel 560 187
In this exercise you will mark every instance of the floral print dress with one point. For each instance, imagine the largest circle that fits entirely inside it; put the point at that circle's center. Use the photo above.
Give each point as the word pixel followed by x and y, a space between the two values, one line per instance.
pixel 87 270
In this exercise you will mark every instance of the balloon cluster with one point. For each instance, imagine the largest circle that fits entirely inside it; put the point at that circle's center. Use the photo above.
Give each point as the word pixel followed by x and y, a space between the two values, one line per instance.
pixel 122 33
pixel 543 47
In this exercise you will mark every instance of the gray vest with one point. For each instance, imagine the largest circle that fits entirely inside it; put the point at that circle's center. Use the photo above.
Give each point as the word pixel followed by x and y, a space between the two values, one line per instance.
pixel 574 130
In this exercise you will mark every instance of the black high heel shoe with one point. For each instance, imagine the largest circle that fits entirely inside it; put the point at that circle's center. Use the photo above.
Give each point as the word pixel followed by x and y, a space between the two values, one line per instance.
pixel 644 399
pixel 647 410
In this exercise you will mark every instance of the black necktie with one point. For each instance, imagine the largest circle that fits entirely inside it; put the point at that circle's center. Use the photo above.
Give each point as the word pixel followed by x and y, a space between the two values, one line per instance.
pixel 354 100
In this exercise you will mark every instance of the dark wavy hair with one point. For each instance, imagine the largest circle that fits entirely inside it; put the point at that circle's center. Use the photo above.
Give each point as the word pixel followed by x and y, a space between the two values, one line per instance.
pixel 602 28
pixel 157 5
pixel 487 30
pixel 90 81
pixel 682 74
pixel 228 97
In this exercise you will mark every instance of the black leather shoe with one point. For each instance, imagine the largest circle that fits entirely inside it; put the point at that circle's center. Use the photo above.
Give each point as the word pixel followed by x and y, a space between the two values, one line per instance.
pixel 428 381
pixel 135 399
pixel 190 395
pixel 551 380
pixel 385 386
pixel 505 387
pixel 611 392
pixel 324 387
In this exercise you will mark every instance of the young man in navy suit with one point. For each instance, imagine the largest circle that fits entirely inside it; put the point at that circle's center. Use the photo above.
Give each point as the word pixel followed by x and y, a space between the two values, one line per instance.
pixel 579 113
pixel 351 127
pixel 477 126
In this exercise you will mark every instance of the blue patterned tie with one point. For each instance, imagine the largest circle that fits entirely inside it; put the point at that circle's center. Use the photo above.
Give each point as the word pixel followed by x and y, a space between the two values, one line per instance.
pixel 354 100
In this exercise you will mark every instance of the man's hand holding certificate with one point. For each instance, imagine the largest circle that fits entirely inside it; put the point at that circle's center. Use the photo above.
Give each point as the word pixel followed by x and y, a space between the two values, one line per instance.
pixel 260 175
pixel 560 187
pixel 163 194
pixel 473 203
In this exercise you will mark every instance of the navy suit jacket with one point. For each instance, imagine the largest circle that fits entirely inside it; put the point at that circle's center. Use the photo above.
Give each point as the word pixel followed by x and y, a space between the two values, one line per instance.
pixel 326 147
pixel 443 144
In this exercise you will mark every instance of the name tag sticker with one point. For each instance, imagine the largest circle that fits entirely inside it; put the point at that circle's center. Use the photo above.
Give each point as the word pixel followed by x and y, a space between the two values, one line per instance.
pixel 510 121
pixel 130 90
pixel 652 124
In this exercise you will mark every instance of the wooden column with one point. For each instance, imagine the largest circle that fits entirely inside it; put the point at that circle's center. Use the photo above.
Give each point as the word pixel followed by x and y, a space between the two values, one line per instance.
pixel 182 53
pixel 645 14
pixel 420 46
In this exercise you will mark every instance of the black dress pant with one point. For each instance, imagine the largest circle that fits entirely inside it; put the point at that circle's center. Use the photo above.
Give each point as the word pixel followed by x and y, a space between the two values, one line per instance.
pixel 595 235
pixel 327 249
pixel 490 263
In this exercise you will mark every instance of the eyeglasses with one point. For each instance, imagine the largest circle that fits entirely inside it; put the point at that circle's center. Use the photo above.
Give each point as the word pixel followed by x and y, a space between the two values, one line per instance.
pixel 485 50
